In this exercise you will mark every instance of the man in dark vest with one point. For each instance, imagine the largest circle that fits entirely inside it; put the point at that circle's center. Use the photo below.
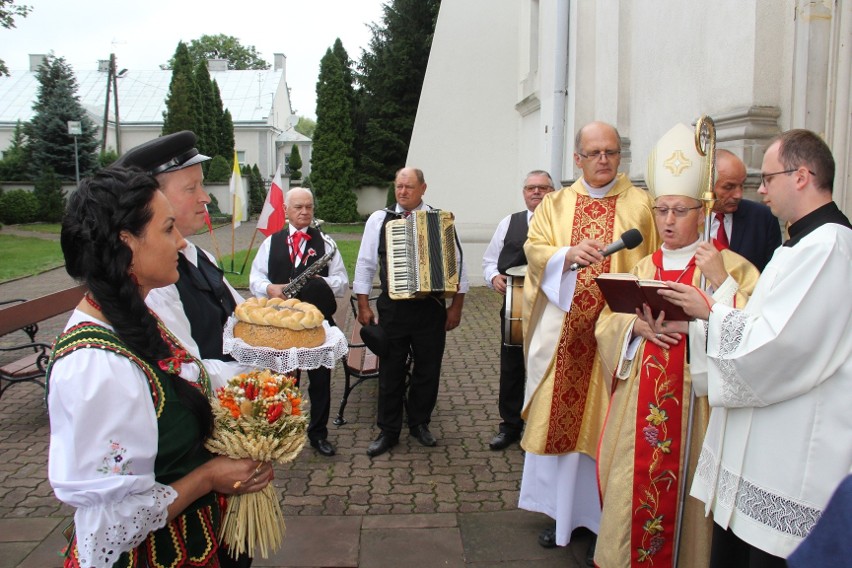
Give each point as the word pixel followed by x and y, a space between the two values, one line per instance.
pixel 419 326
pixel 282 257
pixel 505 251
pixel 196 308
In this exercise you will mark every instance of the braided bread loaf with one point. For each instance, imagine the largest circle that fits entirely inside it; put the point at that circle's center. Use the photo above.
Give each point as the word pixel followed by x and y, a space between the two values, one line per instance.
pixel 280 324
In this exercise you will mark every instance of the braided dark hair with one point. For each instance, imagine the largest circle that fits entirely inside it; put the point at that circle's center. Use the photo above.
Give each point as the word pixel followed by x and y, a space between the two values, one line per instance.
pixel 113 201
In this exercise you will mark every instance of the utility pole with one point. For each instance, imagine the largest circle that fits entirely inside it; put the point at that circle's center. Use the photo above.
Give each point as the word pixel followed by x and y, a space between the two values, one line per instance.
pixel 112 84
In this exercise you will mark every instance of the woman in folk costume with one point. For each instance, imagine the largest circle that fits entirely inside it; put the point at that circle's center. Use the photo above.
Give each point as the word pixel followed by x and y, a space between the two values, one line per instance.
pixel 641 454
pixel 128 406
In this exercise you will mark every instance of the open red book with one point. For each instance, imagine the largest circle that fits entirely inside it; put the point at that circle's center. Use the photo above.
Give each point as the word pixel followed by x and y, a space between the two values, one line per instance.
pixel 625 293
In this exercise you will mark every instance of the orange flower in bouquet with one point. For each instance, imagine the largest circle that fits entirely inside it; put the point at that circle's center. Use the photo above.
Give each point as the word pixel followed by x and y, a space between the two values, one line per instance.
pixel 258 415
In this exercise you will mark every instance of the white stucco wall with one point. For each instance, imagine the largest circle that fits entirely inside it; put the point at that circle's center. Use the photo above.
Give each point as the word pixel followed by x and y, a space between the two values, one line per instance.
pixel 466 132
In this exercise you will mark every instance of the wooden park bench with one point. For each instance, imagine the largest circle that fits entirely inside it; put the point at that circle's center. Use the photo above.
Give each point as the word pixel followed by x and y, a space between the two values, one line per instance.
pixel 25 315
pixel 360 363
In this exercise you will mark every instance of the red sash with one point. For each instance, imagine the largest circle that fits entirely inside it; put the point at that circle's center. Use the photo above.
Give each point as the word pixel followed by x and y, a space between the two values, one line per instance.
pixel 658 451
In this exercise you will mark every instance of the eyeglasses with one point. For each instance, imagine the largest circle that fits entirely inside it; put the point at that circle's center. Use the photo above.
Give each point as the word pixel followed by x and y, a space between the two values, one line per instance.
pixel 597 155
pixel 764 178
pixel 531 188
pixel 678 211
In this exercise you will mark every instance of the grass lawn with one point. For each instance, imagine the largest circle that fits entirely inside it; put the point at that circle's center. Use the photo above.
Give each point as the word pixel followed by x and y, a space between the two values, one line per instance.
pixel 348 250
pixel 52 228
pixel 22 256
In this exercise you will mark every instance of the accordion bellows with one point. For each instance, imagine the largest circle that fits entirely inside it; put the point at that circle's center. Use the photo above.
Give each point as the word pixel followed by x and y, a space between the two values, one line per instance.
pixel 422 255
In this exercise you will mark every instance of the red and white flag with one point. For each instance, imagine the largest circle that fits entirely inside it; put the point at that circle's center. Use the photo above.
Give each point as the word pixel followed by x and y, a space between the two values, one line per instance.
pixel 273 215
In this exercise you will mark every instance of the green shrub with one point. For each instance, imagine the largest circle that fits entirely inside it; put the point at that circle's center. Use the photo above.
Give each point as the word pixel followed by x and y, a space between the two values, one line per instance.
pixel 50 196
pixel 18 206
pixel 219 171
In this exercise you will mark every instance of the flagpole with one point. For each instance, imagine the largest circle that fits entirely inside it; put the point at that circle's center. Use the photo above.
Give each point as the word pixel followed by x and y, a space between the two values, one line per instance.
pixel 248 252
pixel 233 231
pixel 216 245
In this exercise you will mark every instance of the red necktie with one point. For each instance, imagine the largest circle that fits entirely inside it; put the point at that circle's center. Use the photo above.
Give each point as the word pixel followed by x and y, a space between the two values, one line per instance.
pixel 406 214
pixel 721 235
pixel 296 245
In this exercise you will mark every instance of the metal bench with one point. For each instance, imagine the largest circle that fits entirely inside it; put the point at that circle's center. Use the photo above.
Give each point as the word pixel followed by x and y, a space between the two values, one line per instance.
pixel 25 315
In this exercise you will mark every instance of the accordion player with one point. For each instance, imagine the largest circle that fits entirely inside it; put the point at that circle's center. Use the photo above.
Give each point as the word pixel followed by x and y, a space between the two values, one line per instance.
pixel 421 253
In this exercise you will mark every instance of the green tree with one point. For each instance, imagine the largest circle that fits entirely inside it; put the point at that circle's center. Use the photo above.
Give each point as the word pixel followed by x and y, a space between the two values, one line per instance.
pixel 8 12
pixel 295 163
pixel 220 170
pixel 107 157
pixel 14 165
pixel 305 126
pixel 51 197
pixel 57 103
pixel 391 75
pixel 226 135
pixel 208 113
pixel 224 47
pixel 224 125
pixel 257 191
pixel 182 102
pixel 332 164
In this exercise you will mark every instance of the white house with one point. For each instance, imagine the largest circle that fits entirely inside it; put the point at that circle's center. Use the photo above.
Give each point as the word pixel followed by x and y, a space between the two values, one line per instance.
pixel 509 83
pixel 259 102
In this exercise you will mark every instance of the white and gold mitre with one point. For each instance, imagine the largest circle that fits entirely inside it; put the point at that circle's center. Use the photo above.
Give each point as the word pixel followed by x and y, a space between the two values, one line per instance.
pixel 675 167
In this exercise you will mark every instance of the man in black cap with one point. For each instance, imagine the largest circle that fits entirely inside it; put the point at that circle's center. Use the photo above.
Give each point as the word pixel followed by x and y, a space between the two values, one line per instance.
pixel 285 256
pixel 196 308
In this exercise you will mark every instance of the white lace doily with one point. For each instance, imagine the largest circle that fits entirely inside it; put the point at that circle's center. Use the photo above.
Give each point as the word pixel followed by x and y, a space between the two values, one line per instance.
pixel 285 361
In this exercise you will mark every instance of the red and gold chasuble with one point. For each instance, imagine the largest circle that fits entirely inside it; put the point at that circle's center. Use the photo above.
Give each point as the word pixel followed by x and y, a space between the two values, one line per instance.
pixel 593 219
pixel 658 450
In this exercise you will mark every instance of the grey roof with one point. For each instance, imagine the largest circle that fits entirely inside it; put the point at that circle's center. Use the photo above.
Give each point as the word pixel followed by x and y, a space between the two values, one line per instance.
pixel 142 94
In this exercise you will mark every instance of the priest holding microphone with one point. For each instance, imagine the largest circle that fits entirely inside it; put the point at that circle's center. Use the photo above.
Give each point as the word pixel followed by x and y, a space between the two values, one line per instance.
pixel 565 398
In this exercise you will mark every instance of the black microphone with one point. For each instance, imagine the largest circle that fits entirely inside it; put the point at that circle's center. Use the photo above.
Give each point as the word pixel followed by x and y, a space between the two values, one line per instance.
pixel 629 240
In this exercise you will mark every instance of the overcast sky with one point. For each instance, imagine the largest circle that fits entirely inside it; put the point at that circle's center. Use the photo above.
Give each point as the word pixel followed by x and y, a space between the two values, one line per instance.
pixel 144 34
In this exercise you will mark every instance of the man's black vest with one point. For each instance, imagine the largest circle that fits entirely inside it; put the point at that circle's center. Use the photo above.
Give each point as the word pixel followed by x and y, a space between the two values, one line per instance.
pixel 207 303
pixel 280 269
pixel 512 253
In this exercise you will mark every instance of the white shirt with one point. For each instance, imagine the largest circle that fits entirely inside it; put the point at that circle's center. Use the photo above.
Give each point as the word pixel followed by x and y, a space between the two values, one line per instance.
pixel 337 278
pixel 495 247
pixel 103 444
pixel 368 255
pixel 166 303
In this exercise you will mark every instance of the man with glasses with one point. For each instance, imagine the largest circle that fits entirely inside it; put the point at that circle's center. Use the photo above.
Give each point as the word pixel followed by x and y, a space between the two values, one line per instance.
pixel 780 371
pixel 746 227
pixel 565 398
pixel 506 251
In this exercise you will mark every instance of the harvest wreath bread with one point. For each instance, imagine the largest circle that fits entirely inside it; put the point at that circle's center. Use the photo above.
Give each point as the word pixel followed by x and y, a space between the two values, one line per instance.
pixel 279 324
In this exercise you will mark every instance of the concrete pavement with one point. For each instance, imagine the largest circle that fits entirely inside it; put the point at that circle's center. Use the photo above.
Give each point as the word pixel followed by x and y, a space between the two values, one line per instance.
pixel 451 505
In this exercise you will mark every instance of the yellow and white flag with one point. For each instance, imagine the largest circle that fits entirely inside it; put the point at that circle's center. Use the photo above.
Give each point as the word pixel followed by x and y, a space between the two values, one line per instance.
pixel 238 192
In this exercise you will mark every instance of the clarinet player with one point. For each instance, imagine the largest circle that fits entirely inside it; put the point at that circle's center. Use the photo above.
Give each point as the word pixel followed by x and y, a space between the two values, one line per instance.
pixel 300 252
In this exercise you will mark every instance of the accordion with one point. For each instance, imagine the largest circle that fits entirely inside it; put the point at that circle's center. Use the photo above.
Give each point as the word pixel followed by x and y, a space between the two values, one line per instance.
pixel 421 254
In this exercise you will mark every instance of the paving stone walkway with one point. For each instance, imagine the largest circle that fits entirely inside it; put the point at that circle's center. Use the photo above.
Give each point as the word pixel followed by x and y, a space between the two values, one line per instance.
pixel 451 505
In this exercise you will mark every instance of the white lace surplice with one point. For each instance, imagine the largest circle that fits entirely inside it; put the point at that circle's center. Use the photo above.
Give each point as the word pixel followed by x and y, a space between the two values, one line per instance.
pixel 103 443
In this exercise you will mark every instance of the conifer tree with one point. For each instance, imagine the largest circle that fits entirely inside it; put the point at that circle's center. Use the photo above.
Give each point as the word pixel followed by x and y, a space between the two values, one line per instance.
pixel 391 78
pixel 332 164
pixel 182 102
pixel 49 144
pixel 208 113
pixel 51 198
pixel 295 163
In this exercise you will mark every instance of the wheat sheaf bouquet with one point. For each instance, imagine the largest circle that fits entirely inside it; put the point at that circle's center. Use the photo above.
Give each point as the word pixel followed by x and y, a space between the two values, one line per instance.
pixel 258 415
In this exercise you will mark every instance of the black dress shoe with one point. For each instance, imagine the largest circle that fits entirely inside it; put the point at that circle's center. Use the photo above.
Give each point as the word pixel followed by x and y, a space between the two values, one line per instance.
pixel 324 447
pixel 381 444
pixel 547 537
pixel 503 440
pixel 423 435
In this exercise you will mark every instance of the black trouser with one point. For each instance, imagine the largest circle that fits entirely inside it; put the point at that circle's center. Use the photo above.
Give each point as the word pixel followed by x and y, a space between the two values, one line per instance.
pixel 416 325
pixel 510 399
pixel 730 551
pixel 319 389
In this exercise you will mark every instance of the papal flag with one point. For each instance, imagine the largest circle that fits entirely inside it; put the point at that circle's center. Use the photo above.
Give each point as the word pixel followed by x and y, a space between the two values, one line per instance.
pixel 238 193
